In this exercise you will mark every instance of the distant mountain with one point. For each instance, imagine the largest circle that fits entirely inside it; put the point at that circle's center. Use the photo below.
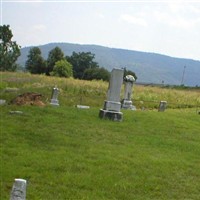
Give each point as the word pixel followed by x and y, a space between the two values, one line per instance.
pixel 149 67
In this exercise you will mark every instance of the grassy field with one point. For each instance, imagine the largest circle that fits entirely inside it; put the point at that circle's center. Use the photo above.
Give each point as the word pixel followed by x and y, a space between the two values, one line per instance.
pixel 69 153
pixel 93 93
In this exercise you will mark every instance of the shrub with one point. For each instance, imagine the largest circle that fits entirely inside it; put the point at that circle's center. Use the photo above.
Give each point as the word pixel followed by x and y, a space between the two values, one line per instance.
pixel 62 68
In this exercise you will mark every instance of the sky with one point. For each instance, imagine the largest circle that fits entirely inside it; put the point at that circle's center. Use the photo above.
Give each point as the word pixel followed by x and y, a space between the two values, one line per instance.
pixel 166 27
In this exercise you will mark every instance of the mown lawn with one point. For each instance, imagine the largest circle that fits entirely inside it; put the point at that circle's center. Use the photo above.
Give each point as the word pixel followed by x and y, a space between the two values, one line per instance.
pixel 70 153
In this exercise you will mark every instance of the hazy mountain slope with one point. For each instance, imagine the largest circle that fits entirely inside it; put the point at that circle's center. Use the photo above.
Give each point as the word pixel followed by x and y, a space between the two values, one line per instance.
pixel 149 67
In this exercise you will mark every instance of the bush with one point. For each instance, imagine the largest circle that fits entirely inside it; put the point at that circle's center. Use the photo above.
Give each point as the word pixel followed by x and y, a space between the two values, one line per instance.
pixel 62 68
pixel 97 73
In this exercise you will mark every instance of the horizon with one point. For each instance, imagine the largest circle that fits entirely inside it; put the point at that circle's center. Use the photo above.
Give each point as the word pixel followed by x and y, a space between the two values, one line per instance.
pixel 109 48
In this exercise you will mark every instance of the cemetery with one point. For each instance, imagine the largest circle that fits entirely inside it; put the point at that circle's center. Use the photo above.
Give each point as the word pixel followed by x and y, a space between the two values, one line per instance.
pixel 75 139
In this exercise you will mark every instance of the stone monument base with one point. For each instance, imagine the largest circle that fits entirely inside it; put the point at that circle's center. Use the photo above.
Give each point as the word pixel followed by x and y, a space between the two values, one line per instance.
pixel 112 105
pixel 112 115
pixel 54 102
pixel 126 104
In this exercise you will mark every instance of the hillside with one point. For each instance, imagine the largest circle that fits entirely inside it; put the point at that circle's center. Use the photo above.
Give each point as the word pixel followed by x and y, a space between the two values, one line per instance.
pixel 69 153
pixel 149 67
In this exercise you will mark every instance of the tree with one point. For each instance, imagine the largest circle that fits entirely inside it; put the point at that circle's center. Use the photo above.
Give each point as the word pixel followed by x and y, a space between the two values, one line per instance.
pixel 35 62
pixel 80 62
pixel 129 72
pixel 97 73
pixel 9 50
pixel 55 55
pixel 62 68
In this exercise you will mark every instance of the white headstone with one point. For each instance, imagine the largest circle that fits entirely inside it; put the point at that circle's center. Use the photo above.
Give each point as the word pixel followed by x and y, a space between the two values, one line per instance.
pixel 128 86
pixel 82 106
pixel 18 190
pixel 2 101
pixel 115 84
pixel 162 106
pixel 128 83
pixel 54 97
pixel 112 105
pixel 114 89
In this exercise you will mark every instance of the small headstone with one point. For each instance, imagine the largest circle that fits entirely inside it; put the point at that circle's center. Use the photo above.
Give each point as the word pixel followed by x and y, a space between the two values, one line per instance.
pixel 83 106
pixel 128 85
pixel 11 89
pixel 18 190
pixel 54 97
pixel 2 101
pixel 162 106
pixel 112 105
pixel 16 112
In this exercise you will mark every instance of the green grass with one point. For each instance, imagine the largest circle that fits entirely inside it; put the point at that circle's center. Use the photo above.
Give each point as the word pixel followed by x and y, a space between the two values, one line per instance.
pixel 69 153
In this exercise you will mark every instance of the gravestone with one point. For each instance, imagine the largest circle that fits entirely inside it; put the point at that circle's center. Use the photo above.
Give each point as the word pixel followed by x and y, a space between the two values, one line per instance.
pixel 112 105
pixel 2 101
pixel 128 86
pixel 11 89
pixel 18 190
pixel 82 106
pixel 16 112
pixel 162 106
pixel 54 97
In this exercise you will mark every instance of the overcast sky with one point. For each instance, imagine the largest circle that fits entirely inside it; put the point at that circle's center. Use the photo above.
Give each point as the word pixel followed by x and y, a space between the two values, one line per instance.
pixel 166 27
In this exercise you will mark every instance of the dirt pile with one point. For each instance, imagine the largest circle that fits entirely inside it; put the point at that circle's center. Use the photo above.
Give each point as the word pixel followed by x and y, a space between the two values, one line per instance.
pixel 28 98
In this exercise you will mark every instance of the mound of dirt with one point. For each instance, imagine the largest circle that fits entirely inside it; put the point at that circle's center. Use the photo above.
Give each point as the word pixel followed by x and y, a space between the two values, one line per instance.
pixel 28 98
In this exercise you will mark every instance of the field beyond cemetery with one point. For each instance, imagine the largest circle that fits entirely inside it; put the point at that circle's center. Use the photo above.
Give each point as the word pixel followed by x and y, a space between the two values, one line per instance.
pixel 69 153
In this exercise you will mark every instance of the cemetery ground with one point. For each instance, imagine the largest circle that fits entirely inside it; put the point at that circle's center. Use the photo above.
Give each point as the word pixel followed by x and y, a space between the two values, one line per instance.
pixel 69 153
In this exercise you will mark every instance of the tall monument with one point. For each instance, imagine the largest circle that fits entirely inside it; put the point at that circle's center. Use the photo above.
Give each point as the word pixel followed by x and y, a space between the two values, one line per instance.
pixel 112 105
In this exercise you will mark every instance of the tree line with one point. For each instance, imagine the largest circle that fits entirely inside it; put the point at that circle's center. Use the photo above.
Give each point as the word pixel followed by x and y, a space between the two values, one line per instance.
pixel 79 65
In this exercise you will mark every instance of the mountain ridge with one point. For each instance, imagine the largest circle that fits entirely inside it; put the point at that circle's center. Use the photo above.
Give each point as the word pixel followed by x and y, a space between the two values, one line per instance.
pixel 149 67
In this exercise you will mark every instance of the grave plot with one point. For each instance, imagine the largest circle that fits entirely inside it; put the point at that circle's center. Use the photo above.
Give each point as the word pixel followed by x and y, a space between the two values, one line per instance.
pixel 28 98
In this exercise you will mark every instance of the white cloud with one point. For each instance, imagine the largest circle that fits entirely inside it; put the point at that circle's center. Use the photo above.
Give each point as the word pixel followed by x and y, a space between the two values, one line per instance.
pixel 184 8
pixel 194 9
pixel 100 15
pixel 39 27
pixel 185 24
pixel 36 34
pixel 176 20
pixel 133 20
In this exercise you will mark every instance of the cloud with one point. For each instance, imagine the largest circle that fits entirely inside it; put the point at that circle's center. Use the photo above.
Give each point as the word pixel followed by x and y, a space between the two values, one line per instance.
pixel 133 20
pixel 184 8
pixel 100 15
pixel 180 14
pixel 39 27
pixel 185 23
pixel 176 20
pixel 35 34
pixel 194 9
